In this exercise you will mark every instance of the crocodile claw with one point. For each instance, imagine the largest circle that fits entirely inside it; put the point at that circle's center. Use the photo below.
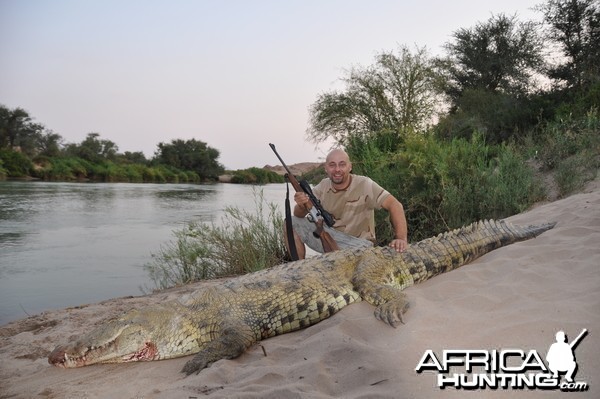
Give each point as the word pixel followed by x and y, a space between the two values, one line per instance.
pixel 391 312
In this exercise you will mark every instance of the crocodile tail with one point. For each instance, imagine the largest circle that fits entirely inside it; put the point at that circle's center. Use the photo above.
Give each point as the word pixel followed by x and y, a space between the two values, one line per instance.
pixel 455 248
pixel 533 231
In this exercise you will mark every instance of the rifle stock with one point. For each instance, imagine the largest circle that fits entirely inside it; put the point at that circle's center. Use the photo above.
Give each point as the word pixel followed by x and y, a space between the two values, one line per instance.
pixel 329 244
pixel 316 213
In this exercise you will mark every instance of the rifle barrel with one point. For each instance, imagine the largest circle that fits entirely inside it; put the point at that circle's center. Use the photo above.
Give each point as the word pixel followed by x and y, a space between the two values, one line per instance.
pixel 576 340
pixel 290 175
pixel 280 160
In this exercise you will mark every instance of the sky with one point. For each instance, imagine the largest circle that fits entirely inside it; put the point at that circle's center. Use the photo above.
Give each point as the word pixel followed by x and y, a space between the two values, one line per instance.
pixel 235 74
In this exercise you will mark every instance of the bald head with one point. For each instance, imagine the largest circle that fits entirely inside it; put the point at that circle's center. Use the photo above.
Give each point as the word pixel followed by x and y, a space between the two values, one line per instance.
pixel 337 155
pixel 338 168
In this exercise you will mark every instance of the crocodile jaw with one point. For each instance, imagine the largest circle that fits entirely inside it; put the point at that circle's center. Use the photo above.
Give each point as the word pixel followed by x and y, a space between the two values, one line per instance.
pixel 161 332
pixel 118 341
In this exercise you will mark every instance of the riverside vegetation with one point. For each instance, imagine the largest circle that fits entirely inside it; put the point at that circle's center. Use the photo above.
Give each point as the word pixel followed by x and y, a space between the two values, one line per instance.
pixel 442 184
pixel 465 136
pixel 27 150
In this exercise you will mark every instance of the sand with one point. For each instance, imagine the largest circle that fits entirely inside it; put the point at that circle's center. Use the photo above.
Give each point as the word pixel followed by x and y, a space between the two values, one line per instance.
pixel 515 297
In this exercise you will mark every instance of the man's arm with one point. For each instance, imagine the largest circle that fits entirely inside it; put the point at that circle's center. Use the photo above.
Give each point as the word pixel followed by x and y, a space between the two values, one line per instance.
pixel 396 211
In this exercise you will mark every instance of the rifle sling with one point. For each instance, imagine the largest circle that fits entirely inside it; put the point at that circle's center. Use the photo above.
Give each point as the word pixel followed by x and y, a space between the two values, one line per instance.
pixel 288 223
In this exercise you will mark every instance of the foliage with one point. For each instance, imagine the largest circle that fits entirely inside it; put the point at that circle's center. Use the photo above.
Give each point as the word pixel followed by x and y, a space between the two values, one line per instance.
pixel 65 168
pixel 488 78
pixel 192 155
pixel 447 184
pixel 498 55
pixel 256 176
pixel 571 148
pixel 75 168
pixel 18 132
pixel 315 175
pixel 394 95
pixel 575 26
pixel 93 149
pixel 14 163
pixel 497 115
pixel 49 144
pixel 22 141
pixel 242 242
pixel 132 157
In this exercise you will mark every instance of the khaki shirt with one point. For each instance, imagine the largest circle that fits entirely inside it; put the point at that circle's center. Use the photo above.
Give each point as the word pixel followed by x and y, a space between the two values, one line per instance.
pixel 353 208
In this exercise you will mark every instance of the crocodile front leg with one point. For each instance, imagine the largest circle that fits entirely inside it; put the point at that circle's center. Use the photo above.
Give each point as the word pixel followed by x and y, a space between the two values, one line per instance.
pixel 376 279
pixel 233 338
pixel 390 303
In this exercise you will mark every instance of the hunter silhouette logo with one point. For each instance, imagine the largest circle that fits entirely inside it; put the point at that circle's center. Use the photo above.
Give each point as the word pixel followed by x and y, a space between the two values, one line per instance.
pixel 507 368
pixel 560 355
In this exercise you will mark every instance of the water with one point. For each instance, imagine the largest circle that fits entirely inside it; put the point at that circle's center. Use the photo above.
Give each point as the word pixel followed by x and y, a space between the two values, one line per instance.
pixel 68 244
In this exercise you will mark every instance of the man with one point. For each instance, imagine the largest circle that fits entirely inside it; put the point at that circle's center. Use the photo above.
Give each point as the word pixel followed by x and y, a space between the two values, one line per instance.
pixel 351 199
pixel 560 357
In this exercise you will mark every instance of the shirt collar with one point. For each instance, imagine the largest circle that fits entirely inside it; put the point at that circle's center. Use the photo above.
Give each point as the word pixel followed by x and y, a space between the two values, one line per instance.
pixel 333 190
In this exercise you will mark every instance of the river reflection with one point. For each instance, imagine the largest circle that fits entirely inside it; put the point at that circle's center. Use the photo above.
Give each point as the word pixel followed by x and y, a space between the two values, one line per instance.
pixel 67 244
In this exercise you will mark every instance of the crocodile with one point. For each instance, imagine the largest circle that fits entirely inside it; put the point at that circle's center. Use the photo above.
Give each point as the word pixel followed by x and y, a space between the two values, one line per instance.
pixel 222 321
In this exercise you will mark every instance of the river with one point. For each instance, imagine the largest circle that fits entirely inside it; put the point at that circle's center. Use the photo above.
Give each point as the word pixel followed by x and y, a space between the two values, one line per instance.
pixel 69 244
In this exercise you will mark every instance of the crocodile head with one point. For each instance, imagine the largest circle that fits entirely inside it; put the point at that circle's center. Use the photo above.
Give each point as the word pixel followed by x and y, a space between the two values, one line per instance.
pixel 148 334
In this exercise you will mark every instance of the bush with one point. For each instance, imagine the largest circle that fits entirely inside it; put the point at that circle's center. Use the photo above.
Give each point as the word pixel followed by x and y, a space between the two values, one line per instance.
pixel 3 172
pixel 63 168
pixel 447 184
pixel 134 172
pixel 571 148
pixel 243 177
pixel 67 168
pixel 256 176
pixel 109 172
pixel 242 242
pixel 315 175
pixel 192 176
pixel 497 115
pixel 15 164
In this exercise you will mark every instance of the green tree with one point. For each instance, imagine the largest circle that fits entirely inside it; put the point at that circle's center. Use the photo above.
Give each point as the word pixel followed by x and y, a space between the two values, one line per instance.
pixel 499 55
pixel 575 26
pixel 14 164
pixel 391 97
pixel 489 74
pixel 193 155
pixel 49 144
pixel 11 123
pixel 133 157
pixel 18 131
pixel 93 149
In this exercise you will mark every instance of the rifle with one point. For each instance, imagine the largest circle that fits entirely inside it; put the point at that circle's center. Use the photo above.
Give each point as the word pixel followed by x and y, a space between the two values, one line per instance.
pixel 576 340
pixel 316 214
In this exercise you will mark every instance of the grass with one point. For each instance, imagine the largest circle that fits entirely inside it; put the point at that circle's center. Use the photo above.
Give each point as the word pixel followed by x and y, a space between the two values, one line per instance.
pixel 570 149
pixel 243 241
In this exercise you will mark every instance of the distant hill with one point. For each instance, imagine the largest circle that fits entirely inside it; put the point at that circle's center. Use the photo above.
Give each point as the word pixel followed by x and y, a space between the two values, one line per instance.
pixel 297 169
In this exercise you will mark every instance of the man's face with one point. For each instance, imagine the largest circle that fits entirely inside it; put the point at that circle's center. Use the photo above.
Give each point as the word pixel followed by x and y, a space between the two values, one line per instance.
pixel 338 167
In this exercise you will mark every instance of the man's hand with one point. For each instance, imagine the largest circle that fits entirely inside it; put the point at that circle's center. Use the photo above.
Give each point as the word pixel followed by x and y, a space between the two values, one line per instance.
pixel 303 204
pixel 302 199
pixel 396 210
pixel 399 245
